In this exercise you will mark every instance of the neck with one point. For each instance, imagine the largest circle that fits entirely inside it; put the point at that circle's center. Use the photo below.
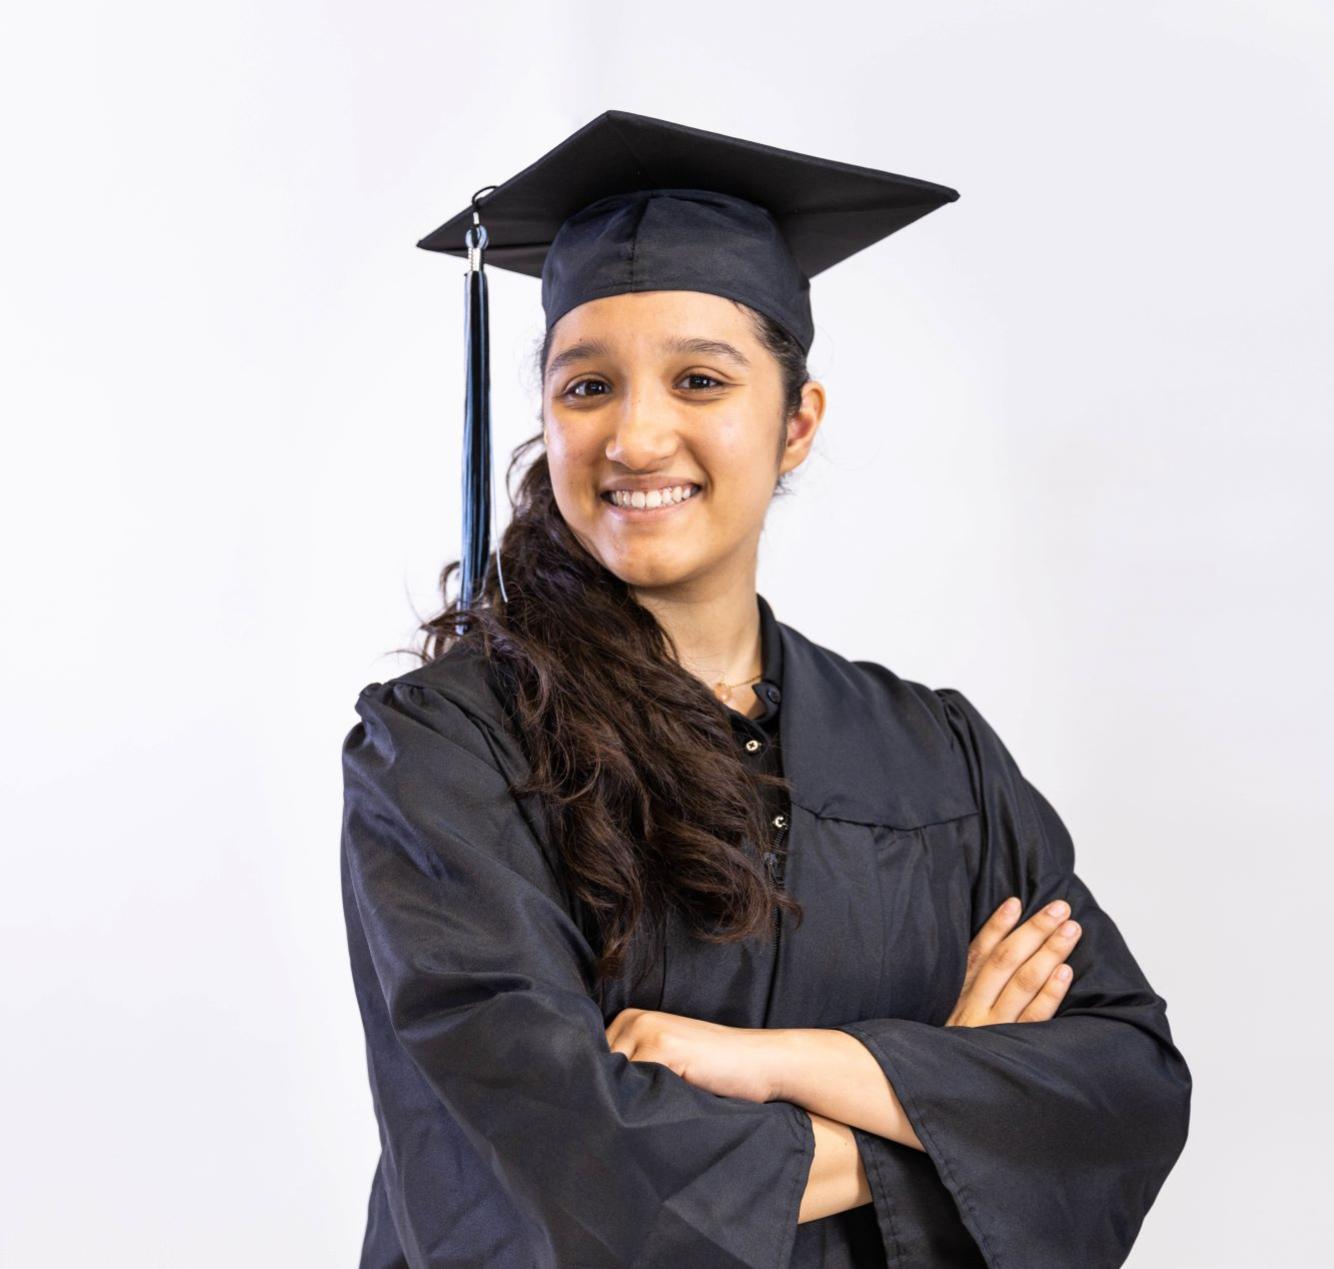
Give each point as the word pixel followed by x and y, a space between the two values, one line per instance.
pixel 716 635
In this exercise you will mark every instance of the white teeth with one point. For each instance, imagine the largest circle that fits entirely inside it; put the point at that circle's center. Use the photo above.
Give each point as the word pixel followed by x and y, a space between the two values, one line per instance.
pixel 653 497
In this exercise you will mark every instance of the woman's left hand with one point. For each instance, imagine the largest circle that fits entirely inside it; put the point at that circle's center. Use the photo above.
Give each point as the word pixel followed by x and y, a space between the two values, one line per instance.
pixel 728 1061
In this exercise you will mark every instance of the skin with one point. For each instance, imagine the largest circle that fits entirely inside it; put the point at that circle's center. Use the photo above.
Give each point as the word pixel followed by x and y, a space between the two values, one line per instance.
pixel 641 405
pixel 641 410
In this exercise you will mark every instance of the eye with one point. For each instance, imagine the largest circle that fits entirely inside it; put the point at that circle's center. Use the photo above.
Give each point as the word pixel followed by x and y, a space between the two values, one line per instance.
pixel 716 383
pixel 573 389
pixel 709 384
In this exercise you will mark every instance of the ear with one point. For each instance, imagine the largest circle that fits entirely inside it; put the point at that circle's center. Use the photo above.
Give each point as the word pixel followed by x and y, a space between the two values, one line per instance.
pixel 803 426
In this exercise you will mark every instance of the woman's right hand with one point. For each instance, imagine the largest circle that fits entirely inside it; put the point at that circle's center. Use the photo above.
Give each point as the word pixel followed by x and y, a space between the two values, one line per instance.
pixel 1015 975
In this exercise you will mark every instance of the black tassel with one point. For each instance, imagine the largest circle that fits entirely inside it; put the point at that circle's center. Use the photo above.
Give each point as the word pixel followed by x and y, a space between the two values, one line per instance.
pixel 476 420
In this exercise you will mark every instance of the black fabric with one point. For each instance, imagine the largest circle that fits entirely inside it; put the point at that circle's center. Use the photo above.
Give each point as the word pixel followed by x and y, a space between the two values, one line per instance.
pixel 633 203
pixel 677 240
pixel 512 1136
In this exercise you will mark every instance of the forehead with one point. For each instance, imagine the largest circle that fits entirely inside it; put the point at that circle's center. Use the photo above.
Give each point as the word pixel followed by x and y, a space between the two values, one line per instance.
pixel 654 323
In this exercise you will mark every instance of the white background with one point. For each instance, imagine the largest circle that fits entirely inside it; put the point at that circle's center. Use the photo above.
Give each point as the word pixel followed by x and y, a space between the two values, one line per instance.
pixel 1076 464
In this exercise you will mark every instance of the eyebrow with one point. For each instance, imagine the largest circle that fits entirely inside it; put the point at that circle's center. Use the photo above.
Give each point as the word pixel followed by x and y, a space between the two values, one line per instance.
pixel 587 348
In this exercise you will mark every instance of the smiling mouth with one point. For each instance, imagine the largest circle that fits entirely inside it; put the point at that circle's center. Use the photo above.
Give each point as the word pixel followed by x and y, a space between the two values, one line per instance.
pixel 639 504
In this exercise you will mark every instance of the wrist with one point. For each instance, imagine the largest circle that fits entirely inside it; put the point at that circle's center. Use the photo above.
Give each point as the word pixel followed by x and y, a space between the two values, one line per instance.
pixel 789 1053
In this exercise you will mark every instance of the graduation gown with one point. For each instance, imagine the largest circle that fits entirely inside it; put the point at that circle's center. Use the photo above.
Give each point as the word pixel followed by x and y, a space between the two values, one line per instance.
pixel 513 1137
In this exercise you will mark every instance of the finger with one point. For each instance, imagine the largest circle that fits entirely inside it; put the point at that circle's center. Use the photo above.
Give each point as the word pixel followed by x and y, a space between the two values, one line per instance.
pixel 996 927
pixel 1044 1005
pixel 1013 952
pixel 1033 975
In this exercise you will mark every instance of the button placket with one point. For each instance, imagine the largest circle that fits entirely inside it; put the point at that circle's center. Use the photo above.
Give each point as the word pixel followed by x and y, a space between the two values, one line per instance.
pixel 778 823
pixel 772 858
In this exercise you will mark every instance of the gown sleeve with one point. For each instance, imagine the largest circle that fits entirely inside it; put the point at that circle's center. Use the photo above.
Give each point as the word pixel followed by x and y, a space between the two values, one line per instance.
pixel 1052 1138
pixel 473 982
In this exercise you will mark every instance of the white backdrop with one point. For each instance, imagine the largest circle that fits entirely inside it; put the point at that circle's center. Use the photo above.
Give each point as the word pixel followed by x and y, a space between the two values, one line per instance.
pixel 1078 438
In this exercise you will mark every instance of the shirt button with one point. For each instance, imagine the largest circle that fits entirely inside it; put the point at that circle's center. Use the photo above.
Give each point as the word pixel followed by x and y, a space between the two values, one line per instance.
pixel 780 821
pixel 773 694
pixel 752 744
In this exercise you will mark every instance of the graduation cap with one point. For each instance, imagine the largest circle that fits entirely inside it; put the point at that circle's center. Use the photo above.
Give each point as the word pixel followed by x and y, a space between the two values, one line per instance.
pixel 632 203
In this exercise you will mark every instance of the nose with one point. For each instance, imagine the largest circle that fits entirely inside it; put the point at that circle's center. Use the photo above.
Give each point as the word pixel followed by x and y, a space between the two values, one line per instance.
pixel 643 434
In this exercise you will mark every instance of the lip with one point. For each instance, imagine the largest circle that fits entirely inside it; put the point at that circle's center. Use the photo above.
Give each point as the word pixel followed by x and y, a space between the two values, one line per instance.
pixel 648 513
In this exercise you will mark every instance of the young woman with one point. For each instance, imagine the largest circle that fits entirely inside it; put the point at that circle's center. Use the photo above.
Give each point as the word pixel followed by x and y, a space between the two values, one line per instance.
pixel 679 939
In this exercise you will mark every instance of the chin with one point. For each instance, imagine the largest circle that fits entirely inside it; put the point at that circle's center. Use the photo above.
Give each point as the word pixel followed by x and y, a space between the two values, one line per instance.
pixel 647 574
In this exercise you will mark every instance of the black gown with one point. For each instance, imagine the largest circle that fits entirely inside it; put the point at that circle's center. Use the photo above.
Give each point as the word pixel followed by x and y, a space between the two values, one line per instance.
pixel 512 1136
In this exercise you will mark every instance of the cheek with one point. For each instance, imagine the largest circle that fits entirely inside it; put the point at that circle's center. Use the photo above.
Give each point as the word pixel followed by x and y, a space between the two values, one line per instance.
pixel 744 502
pixel 570 457
pixel 740 457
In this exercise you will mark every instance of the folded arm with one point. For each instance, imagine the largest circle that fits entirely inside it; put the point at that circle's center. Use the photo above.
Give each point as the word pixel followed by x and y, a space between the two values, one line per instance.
pixel 468 966
pixel 837 1178
pixel 1054 1137
pixel 832 1074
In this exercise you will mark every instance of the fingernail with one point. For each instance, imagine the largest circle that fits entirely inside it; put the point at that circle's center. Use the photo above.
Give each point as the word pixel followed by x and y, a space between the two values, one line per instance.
pixel 1063 972
pixel 1070 929
pixel 1057 909
pixel 1010 906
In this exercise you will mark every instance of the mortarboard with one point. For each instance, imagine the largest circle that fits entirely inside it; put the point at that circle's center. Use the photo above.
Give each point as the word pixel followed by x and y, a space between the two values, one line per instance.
pixel 632 203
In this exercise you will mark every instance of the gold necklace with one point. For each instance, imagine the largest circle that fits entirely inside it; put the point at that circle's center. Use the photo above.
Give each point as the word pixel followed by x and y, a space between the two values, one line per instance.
pixel 723 691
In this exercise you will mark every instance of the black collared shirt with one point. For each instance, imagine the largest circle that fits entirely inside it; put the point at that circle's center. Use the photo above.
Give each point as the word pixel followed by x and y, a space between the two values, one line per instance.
pixel 758 737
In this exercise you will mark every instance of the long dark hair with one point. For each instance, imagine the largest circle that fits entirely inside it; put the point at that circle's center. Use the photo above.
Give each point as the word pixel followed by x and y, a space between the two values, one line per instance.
pixel 632 757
